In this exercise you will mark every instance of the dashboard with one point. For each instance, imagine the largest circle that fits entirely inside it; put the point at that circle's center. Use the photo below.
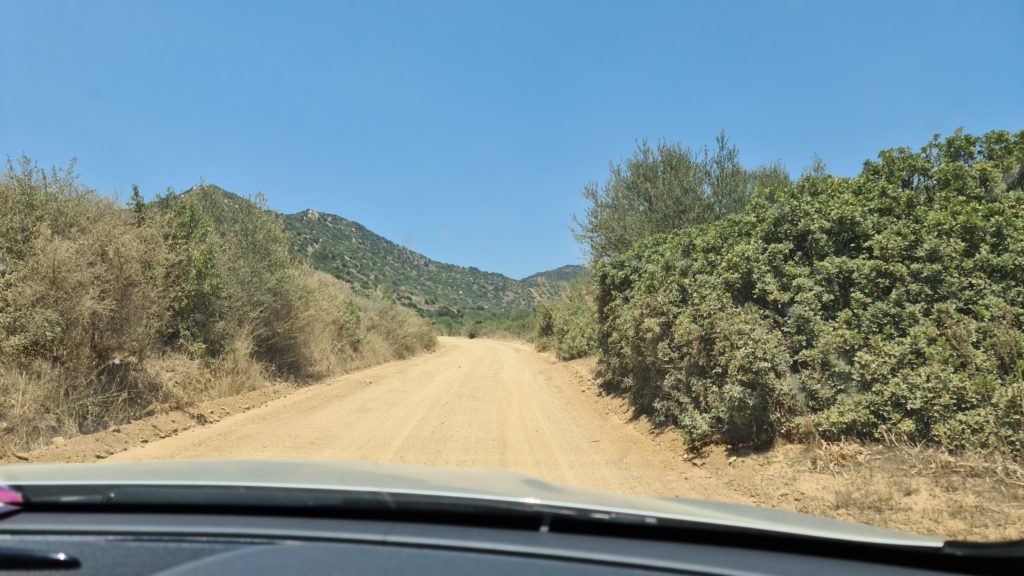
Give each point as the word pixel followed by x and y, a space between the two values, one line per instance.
pixel 161 543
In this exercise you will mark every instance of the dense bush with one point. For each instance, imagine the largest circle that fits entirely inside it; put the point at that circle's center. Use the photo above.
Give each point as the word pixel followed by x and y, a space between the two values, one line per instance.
pixel 889 305
pixel 98 301
pixel 80 284
pixel 567 322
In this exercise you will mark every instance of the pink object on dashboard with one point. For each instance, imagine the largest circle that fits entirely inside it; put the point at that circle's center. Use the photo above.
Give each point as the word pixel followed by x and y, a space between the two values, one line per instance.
pixel 9 497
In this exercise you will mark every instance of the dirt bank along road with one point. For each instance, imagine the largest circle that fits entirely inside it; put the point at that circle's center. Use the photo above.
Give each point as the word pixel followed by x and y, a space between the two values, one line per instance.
pixel 472 403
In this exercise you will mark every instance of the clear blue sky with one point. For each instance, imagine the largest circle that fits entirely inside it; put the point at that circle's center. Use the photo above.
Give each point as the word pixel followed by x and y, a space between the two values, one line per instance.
pixel 465 130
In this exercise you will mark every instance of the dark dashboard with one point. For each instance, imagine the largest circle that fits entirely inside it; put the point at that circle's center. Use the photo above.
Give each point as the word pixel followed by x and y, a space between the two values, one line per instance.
pixel 182 543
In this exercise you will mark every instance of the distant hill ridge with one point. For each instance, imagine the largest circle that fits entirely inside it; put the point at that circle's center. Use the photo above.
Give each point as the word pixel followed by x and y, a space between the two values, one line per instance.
pixel 559 275
pixel 368 261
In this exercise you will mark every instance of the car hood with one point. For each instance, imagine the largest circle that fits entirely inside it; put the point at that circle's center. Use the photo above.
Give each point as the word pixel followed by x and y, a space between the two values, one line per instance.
pixel 472 484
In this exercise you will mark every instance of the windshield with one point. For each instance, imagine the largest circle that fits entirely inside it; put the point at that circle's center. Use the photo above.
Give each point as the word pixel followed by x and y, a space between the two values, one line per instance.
pixel 760 253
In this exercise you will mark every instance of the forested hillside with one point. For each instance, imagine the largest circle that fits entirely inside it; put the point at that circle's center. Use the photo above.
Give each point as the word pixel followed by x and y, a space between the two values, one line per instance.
pixel 454 297
pixel 553 278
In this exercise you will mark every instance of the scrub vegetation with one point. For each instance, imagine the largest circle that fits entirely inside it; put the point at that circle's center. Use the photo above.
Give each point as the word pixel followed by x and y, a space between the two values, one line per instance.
pixel 566 320
pixel 744 308
pixel 108 313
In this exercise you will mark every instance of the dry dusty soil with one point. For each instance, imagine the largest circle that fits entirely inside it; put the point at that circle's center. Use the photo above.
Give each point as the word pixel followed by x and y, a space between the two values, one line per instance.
pixel 499 404
pixel 472 403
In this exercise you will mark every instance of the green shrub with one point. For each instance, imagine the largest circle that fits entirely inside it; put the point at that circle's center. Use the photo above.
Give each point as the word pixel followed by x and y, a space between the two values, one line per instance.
pixel 567 322
pixel 888 305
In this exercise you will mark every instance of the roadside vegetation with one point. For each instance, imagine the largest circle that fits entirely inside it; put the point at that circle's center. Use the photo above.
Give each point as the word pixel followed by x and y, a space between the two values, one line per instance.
pixel 659 189
pixel 566 319
pixel 109 313
pixel 744 308
pixel 560 318
pixel 515 324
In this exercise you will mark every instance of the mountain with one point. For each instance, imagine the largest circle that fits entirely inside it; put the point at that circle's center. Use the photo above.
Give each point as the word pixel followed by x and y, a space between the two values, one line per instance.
pixel 349 251
pixel 369 262
pixel 555 277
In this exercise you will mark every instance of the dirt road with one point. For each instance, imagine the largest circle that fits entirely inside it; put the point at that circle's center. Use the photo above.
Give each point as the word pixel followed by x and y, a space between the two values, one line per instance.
pixel 472 403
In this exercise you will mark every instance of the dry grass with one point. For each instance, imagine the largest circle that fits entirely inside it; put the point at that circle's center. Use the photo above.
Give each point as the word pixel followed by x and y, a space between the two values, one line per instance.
pixel 40 401
pixel 24 418
pixel 916 461
pixel 879 494
pixel 969 496
pixel 833 456
pixel 393 332
pixel 237 371
pixel 990 465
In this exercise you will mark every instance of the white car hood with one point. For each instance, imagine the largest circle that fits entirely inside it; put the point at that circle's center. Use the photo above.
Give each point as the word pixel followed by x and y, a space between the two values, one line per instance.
pixel 479 484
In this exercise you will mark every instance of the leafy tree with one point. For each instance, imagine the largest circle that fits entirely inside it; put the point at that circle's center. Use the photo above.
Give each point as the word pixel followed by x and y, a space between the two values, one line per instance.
pixel 665 188
pixel 657 190
pixel 196 315
pixel 727 182
pixel 138 205
pixel 816 168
